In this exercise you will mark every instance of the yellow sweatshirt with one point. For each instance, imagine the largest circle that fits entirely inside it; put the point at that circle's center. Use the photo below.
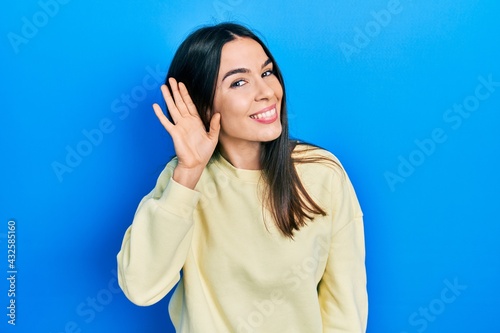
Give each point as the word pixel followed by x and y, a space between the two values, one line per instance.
pixel 239 274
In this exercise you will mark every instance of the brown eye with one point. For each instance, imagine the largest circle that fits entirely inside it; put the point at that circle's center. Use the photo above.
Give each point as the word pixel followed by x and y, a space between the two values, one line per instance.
pixel 238 83
pixel 268 73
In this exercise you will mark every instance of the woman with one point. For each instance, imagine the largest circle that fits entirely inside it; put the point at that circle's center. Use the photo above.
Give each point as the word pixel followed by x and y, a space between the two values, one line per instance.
pixel 267 231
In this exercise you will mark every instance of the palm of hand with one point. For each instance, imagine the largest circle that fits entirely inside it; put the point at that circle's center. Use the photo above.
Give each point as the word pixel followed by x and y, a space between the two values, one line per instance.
pixel 193 145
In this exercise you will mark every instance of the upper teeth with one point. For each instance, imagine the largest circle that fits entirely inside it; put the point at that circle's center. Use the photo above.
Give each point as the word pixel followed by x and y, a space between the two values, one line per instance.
pixel 267 114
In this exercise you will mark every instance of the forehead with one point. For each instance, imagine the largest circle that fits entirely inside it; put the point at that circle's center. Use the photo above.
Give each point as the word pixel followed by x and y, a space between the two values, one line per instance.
pixel 242 53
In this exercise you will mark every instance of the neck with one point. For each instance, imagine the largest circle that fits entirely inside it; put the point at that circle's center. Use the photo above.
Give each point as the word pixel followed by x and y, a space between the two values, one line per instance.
pixel 244 156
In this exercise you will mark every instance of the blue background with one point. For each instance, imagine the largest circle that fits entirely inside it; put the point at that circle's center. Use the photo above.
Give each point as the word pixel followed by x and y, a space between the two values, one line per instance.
pixel 371 81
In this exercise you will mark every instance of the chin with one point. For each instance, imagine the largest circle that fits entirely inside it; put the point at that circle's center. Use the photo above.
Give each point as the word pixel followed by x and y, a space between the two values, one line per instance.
pixel 268 137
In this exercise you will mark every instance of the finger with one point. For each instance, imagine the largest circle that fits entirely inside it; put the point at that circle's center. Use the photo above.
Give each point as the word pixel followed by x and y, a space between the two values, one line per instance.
pixel 172 109
pixel 191 108
pixel 214 126
pixel 162 118
pixel 179 102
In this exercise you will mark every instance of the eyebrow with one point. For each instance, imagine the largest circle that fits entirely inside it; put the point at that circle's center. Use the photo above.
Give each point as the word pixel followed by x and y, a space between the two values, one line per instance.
pixel 244 70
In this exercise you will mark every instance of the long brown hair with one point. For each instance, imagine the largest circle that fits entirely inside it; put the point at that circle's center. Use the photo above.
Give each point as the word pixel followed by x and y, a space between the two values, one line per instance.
pixel 196 64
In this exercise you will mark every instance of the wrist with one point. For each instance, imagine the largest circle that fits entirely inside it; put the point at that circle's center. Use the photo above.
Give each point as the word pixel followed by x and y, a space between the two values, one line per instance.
pixel 187 177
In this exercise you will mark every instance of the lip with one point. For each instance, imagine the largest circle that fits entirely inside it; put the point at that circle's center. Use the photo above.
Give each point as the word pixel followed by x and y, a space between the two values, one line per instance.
pixel 266 120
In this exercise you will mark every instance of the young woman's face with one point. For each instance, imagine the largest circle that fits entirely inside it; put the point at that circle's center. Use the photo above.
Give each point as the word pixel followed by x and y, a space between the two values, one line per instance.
pixel 248 95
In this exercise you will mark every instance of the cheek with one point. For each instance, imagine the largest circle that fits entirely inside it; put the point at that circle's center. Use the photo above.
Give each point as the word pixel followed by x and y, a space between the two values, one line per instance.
pixel 235 107
pixel 278 89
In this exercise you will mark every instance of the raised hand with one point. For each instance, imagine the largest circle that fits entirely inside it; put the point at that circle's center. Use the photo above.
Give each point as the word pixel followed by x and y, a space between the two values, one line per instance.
pixel 193 145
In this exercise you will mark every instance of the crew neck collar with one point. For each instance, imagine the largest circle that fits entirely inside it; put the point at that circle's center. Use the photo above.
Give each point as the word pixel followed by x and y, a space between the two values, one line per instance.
pixel 230 170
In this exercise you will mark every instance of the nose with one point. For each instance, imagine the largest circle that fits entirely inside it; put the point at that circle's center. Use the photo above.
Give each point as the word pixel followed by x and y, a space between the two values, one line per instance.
pixel 264 90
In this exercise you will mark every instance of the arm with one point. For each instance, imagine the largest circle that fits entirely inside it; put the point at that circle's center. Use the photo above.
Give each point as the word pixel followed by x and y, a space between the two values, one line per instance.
pixel 342 290
pixel 156 245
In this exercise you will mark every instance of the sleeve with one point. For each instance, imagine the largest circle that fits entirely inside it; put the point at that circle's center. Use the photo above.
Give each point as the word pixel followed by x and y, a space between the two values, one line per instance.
pixel 156 245
pixel 342 290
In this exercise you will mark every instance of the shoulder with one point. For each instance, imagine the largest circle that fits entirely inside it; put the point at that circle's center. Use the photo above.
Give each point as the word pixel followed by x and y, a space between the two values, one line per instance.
pixel 323 174
pixel 311 157
pixel 320 170
pixel 302 149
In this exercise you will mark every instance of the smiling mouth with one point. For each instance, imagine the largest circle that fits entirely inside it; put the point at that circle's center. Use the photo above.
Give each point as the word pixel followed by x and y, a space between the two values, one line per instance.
pixel 267 115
